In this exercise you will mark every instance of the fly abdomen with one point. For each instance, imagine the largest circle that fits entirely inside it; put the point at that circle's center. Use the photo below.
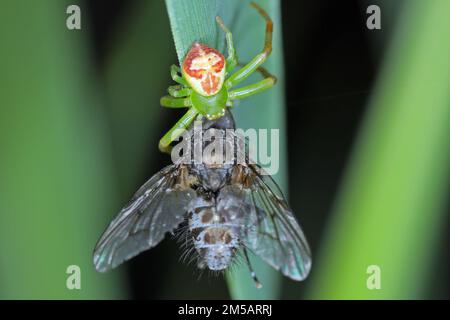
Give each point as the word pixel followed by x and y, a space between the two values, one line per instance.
pixel 215 239
pixel 217 246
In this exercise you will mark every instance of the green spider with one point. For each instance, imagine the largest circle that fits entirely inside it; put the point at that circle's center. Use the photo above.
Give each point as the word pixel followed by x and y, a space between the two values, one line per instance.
pixel 205 81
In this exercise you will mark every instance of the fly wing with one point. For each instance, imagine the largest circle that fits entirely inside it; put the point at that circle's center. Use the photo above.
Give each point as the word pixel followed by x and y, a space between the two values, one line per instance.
pixel 270 229
pixel 158 207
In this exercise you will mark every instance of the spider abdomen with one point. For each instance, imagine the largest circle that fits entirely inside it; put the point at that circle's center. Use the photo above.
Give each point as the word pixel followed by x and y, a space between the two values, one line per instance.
pixel 204 69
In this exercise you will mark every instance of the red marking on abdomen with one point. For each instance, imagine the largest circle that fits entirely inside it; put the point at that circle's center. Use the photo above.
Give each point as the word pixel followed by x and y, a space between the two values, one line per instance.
pixel 198 50
pixel 210 83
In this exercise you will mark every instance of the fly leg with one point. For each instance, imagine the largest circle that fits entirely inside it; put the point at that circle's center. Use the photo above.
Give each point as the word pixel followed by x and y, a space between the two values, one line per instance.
pixel 252 272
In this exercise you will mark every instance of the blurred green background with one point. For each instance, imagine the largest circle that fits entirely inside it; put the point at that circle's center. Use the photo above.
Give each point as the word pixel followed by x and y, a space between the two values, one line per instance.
pixel 364 117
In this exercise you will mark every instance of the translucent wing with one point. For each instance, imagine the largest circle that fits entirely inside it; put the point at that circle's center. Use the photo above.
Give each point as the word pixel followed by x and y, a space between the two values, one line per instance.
pixel 271 230
pixel 156 208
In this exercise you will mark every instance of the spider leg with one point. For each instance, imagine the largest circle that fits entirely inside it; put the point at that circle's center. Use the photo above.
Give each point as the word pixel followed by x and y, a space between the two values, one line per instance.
pixel 232 59
pixel 252 89
pixel 171 102
pixel 175 74
pixel 261 70
pixel 179 91
pixel 246 91
pixel 250 67
pixel 177 130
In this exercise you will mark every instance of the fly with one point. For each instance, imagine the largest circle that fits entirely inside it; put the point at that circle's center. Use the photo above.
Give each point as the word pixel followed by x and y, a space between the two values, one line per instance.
pixel 225 208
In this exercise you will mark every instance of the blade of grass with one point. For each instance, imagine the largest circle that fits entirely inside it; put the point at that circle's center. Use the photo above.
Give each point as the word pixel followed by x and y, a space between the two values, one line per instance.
pixel 55 167
pixel 136 76
pixel 263 111
pixel 195 21
pixel 389 212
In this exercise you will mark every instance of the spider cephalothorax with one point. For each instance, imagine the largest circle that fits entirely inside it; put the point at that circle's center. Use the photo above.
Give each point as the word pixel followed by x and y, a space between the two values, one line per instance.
pixel 205 81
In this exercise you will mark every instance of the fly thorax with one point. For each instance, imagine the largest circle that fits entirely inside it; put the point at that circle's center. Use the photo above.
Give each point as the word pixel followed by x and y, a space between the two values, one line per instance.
pixel 215 178
pixel 212 178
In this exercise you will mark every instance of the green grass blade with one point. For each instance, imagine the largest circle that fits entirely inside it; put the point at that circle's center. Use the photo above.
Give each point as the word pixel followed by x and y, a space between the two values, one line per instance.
pixel 136 76
pixel 195 21
pixel 389 212
pixel 55 166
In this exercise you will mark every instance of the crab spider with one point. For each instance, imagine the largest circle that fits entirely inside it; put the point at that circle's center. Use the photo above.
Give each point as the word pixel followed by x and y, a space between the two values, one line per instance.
pixel 205 81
